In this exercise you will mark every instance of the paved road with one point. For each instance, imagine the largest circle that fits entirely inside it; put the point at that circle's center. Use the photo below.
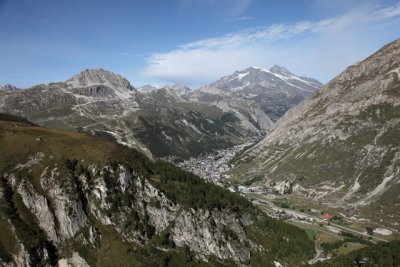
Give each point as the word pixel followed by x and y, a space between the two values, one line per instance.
pixel 318 220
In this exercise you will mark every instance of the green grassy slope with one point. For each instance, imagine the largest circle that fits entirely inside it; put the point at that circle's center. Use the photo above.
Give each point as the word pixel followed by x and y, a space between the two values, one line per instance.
pixel 74 154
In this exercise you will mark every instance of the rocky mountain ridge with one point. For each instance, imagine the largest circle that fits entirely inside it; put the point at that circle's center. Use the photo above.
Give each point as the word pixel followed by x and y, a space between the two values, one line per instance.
pixel 99 76
pixel 170 120
pixel 95 79
pixel 339 147
pixel 275 90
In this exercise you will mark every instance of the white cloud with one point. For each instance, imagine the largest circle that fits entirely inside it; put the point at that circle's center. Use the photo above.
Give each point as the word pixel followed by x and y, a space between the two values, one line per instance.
pixel 388 12
pixel 316 48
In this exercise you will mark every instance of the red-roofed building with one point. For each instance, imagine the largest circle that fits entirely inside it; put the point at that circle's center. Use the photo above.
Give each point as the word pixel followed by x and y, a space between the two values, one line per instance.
pixel 326 217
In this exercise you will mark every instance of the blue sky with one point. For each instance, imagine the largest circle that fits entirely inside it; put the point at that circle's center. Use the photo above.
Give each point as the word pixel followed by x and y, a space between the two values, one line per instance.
pixel 191 42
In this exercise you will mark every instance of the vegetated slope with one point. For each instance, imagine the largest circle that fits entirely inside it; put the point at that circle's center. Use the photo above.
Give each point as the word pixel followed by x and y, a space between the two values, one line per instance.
pixel 72 198
pixel 340 147
pixel 172 116
pixel 160 123
pixel 245 112
pixel 275 90
pixel 382 254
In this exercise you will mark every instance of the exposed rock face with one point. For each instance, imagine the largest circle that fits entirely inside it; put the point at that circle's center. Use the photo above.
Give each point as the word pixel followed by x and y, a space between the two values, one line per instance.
pixel 340 146
pixel 40 208
pixel 90 77
pixel 68 211
pixel 203 231
pixel 74 261
pixel 60 214
pixel 276 90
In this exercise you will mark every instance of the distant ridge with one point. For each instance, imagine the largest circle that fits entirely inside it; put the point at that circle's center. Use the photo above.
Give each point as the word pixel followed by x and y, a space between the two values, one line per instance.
pixel 275 90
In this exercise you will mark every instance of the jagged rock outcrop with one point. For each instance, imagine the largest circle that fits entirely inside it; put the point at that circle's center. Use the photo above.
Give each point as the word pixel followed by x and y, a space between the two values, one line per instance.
pixel 38 205
pixel 67 205
pixel 211 233
pixel 60 214
pixel 339 147
pixel 74 261
pixel 90 77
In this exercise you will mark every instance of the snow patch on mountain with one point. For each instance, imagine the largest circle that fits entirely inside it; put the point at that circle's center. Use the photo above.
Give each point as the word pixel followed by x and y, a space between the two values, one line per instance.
pixel 9 88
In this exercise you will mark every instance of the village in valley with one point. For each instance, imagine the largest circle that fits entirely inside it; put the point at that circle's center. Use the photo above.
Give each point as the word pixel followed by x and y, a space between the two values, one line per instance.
pixel 211 167
pixel 344 232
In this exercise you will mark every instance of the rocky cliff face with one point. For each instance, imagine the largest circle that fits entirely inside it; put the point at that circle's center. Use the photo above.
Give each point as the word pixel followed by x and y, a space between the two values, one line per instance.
pixel 339 147
pixel 91 77
pixel 76 200
pixel 62 209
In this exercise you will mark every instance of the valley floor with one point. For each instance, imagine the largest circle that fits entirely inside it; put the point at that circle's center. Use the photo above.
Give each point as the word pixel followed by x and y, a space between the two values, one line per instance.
pixel 340 236
pixel 212 167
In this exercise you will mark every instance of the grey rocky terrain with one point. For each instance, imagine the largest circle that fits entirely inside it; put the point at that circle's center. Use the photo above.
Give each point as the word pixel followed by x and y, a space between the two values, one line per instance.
pixel 275 90
pixel 339 148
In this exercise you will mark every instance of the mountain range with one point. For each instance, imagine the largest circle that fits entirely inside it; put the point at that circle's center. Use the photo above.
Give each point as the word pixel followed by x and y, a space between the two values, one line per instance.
pixel 98 195
pixel 159 121
pixel 275 90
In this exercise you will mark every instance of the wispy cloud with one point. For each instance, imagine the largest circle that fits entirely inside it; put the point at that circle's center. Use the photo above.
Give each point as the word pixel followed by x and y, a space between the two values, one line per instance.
pixel 317 48
pixel 242 18
pixel 387 12
pixel 231 8
pixel 251 36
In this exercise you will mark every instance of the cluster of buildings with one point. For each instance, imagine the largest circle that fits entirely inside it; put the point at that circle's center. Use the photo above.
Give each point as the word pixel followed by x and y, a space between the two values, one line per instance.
pixel 211 167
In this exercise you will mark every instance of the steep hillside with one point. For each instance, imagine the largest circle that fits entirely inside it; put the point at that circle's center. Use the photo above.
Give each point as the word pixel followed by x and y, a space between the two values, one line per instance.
pixel 246 112
pixel 159 123
pixel 340 148
pixel 276 90
pixel 71 198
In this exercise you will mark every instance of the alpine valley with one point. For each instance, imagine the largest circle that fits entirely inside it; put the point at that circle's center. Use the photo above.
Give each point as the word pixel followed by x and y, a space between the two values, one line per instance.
pixel 84 181
pixel 339 149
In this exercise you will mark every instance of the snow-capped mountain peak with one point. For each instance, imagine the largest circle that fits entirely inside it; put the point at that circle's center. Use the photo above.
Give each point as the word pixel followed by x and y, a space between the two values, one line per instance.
pixel 256 76
pixel 8 88
pixel 148 88
pixel 280 70
pixel 276 89
pixel 175 91
pixel 178 88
